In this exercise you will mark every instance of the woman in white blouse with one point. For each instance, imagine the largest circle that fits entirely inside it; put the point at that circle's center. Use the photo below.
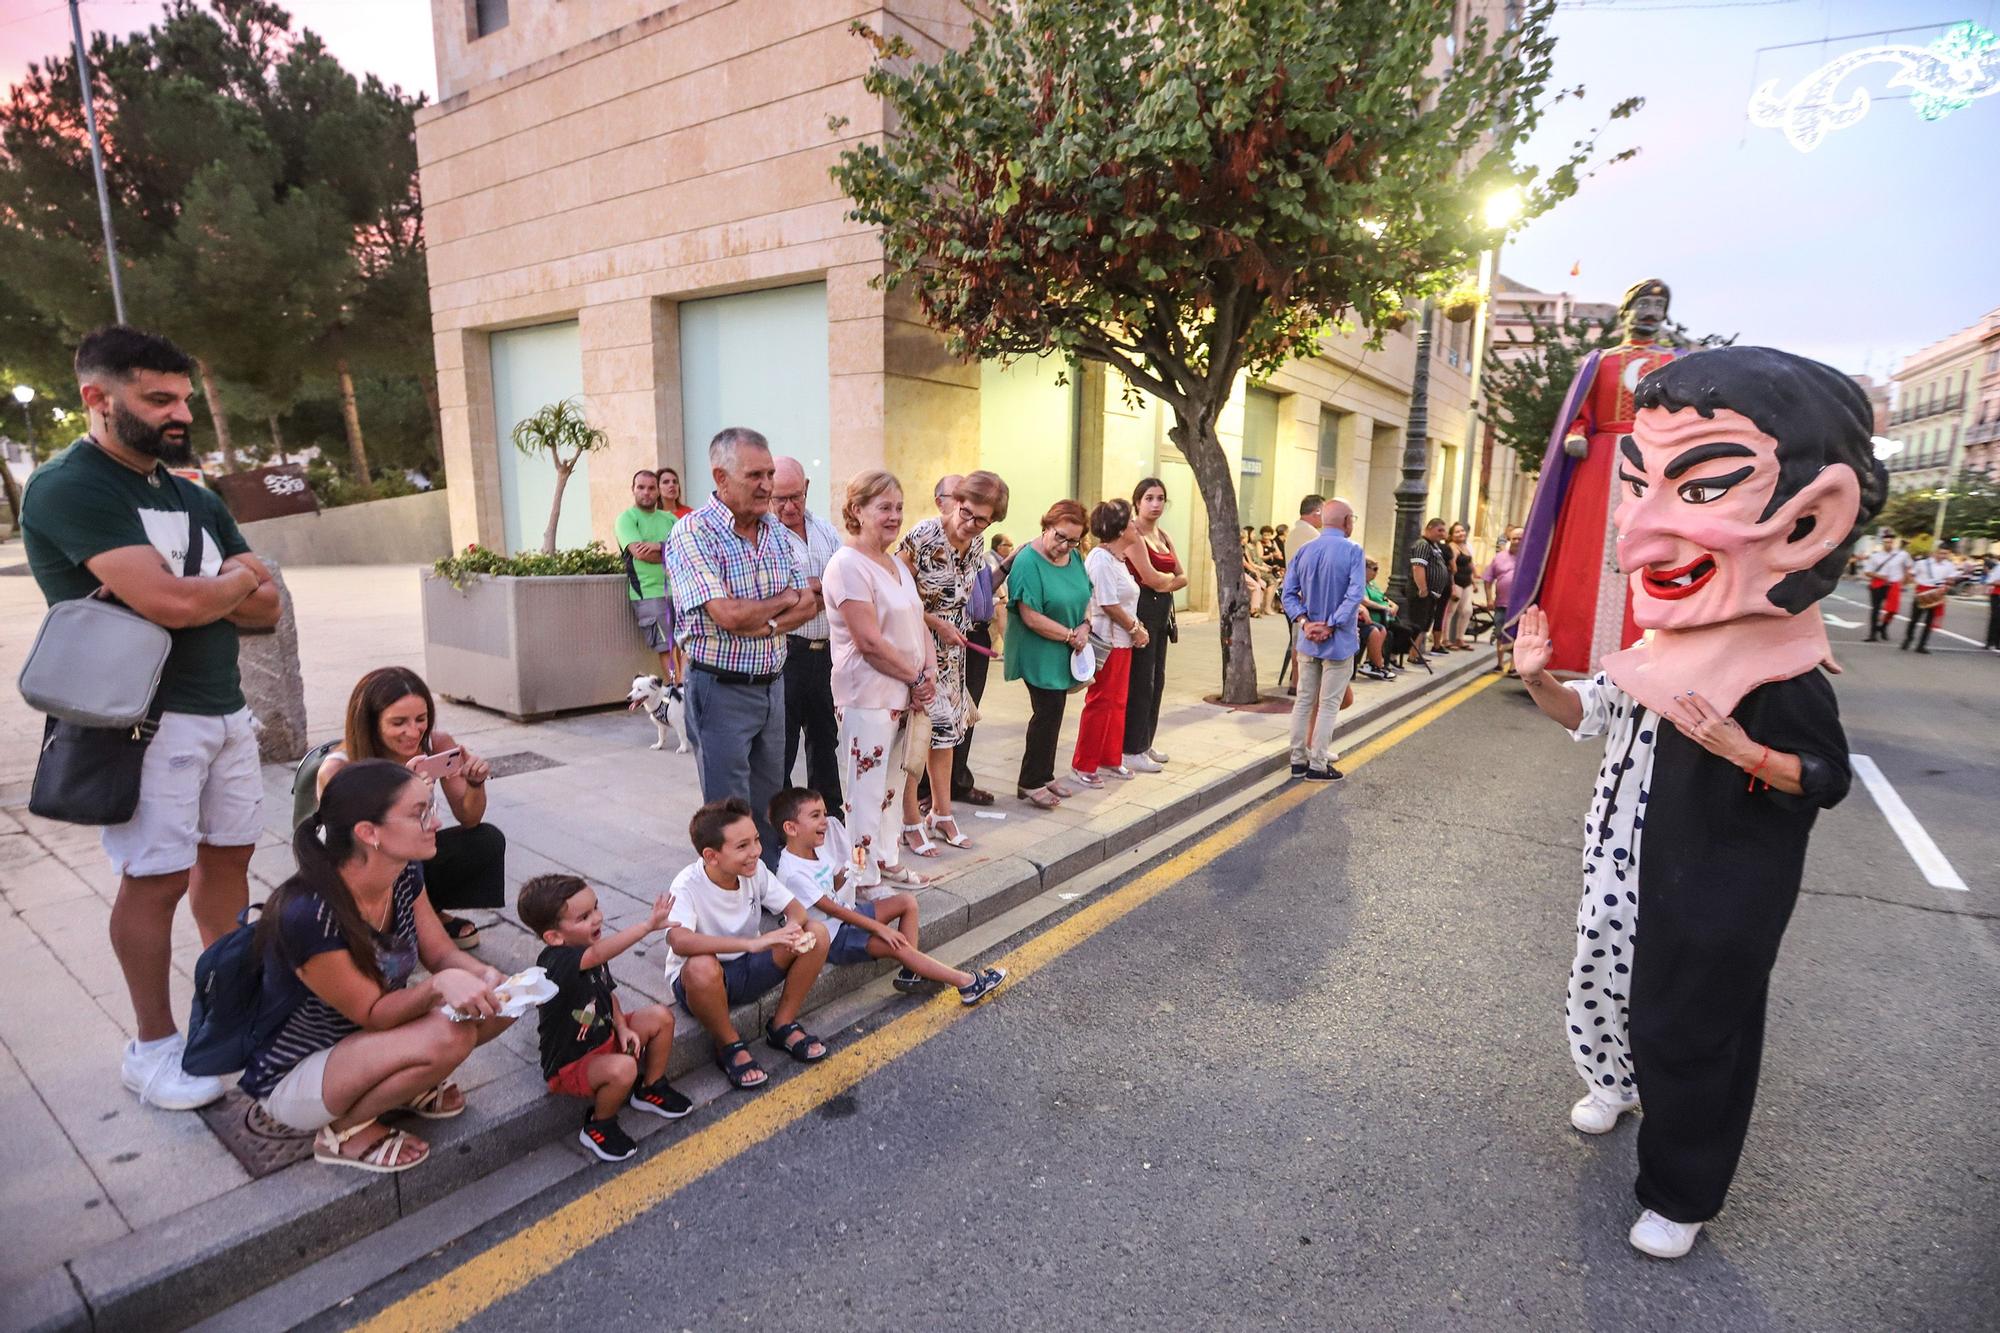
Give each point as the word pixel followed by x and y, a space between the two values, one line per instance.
pixel 884 662
pixel 1115 630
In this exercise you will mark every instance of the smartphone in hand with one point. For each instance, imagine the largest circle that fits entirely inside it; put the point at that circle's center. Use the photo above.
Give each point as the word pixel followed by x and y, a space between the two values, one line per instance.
pixel 437 767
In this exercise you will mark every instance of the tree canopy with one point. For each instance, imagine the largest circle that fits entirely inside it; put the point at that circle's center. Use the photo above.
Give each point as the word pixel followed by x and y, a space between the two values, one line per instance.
pixel 1192 189
pixel 264 199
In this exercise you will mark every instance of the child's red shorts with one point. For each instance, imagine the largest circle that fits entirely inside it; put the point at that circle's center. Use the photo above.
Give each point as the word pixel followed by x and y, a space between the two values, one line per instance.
pixel 573 1079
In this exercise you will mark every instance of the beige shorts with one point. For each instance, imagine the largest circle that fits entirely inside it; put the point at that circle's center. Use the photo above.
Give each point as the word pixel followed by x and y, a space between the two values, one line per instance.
pixel 297 1100
pixel 199 783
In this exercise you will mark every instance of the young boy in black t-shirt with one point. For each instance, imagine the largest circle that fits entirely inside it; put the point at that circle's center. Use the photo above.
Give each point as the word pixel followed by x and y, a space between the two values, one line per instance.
pixel 590 1046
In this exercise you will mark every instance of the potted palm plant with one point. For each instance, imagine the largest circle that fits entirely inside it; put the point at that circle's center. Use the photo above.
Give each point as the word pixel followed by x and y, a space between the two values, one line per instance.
pixel 540 632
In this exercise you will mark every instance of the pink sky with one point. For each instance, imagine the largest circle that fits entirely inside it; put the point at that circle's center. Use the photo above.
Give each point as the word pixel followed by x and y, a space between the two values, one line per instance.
pixel 389 38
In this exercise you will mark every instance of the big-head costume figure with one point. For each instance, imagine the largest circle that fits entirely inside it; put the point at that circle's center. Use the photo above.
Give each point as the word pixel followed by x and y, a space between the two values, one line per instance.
pixel 1568 559
pixel 1743 484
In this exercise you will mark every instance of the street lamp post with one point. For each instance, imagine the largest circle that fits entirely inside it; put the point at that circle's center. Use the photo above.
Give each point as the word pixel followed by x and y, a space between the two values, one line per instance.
pixel 97 162
pixel 1502 210
pixel 1414 489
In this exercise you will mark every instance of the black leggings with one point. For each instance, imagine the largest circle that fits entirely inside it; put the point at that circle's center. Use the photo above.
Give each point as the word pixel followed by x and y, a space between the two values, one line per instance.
pixel 1149 672
pixel 1038 760
pixel 469 870
pixel 976 667
pixel 1993 621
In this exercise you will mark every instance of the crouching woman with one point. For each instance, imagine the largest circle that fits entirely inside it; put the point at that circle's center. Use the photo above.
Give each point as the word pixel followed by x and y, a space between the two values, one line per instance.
pixel 340 941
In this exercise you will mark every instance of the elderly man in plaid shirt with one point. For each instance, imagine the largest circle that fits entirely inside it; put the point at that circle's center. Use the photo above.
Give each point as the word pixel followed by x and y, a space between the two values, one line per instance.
pixel 738 590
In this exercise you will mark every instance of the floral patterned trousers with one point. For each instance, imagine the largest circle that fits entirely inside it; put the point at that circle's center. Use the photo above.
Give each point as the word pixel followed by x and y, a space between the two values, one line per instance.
pixel 871 775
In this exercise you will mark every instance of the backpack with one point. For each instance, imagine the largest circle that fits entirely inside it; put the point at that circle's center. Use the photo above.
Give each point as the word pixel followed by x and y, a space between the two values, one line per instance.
pixel 233 1016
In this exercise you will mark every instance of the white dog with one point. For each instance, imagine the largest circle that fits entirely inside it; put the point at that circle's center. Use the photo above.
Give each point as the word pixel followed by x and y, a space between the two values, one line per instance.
pixel 665 704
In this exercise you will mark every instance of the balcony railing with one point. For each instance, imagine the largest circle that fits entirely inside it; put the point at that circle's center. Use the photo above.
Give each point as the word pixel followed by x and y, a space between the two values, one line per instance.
pixel 1984 431
pixel 1919 411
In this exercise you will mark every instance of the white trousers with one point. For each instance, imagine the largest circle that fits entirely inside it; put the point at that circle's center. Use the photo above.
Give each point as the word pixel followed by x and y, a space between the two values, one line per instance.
pixel 871 777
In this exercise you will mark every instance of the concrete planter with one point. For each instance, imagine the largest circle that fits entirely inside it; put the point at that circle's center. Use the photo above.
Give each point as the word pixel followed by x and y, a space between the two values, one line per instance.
pixel 530 647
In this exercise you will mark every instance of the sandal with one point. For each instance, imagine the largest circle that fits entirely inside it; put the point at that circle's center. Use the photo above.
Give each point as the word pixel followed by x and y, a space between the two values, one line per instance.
pixel 464 934
pixel 1041 798
pixel 936 824
pixel 923 846
pixel 902 877
pixel 793 1039
pixel 383 1157
pixel 745 1075
pixel 431 1105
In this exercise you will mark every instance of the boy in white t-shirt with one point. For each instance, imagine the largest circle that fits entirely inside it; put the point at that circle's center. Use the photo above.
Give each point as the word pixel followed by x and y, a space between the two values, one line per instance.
pixel 858 932
pixel 719 957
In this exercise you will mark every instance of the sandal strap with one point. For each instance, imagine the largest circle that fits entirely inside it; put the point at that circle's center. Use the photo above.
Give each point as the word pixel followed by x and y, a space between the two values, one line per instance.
pixel 434 1098
pixel 341 1136
pixel 388 1151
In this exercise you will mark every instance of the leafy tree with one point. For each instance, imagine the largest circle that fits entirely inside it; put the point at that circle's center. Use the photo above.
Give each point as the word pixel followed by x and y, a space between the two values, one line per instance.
pixel 1972 509
pixel 561 431
pixel 250 179
pixel 1525 383
pixel 1188 190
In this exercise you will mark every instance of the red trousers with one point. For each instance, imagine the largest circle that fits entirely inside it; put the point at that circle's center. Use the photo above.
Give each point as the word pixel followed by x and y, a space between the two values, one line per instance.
pixel 1100 735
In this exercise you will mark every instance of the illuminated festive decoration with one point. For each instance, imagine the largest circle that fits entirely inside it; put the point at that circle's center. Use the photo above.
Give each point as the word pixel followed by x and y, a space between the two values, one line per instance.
pixel 1948 75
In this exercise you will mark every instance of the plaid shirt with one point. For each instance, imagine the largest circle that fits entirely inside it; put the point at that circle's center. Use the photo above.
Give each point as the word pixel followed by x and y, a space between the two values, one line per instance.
pixel 812 551
pixel 706 559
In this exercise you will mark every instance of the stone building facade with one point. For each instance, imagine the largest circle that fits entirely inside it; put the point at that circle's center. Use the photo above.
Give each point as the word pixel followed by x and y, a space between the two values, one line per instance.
pixel 628 202
pixel 1938 393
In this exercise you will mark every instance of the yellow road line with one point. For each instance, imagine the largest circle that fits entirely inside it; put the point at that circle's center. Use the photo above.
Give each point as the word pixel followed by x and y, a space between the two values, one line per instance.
pixel 542 1246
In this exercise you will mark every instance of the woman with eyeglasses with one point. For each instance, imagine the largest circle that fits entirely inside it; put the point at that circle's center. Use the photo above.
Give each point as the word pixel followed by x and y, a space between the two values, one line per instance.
pixel 1048 610
pixel 944 555
pixel 342 939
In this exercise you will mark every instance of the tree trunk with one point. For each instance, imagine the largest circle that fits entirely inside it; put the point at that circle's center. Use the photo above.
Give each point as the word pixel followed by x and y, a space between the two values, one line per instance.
pixel 431 400
pixel 555 508
pixel 277 437
pixel 218 414
pixel 357 452
pixel 1198 443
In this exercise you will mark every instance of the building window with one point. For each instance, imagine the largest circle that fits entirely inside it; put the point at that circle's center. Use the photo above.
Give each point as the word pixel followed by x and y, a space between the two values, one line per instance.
pixel 1329 442
pixel 488 17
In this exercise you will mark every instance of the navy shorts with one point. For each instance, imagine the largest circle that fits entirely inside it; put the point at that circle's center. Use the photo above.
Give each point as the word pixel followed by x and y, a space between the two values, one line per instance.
pixel 744 978
pixel 850 942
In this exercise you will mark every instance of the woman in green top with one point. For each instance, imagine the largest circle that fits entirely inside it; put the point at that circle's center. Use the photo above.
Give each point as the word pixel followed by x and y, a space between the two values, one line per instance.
pixel 1048 609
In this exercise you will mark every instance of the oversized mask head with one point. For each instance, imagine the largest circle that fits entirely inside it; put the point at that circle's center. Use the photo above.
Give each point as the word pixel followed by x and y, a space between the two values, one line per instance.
pixel 1747 477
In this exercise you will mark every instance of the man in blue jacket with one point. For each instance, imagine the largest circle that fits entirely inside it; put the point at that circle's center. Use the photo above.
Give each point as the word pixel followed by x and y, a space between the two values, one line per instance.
pixel 1323 590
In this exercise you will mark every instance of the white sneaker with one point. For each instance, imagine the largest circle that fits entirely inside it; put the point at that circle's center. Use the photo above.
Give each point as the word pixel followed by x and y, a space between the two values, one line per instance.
pixel 1661 1238
pixel 1157 755
pixel 1595 1114
pixel 157 1079
pixel 1140 763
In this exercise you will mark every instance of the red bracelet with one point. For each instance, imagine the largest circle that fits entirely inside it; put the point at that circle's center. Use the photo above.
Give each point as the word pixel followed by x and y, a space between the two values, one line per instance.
pixel 1762 760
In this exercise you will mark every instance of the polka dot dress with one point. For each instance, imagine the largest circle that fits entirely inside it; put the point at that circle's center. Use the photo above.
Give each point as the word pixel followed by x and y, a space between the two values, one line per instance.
pixel 1607 917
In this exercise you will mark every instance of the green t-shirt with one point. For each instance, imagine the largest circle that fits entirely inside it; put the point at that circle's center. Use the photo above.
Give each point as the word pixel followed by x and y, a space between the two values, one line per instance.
pixel 637 525
pixel 82 503
pixel 1060 592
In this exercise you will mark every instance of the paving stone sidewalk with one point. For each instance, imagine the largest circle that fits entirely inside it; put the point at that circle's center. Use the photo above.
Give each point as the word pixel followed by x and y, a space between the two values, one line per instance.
pixel 85 1173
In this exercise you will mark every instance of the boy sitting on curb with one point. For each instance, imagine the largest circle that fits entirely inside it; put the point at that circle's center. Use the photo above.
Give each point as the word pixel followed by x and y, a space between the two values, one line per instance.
pixel 590 1046
pixel 859 932
pixel 719 956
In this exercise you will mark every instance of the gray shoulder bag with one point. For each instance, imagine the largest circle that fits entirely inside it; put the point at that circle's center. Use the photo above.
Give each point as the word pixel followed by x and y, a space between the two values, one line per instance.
pixel 95 670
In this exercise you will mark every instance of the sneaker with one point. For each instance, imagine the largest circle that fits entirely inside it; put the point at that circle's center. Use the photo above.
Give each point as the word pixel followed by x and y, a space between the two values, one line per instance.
pixel 1157 755
pixel 1140 763
pixel 906 981
pixel 154 1075
pixel 1087 779
pixel 605 1139
pixel 1298 770
pixel 1661 1237
pixel 662 1100
pixel 984 983
pixel 1327 774
pixel 1373 672
pixel 1596 1114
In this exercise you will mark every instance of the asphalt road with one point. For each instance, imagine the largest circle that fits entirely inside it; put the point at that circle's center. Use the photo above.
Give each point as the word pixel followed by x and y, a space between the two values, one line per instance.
pixel 1321 1083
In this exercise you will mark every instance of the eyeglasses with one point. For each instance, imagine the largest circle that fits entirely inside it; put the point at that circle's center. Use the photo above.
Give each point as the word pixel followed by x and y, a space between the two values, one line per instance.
pixel 799 498
pixel 965 515
pixel 1060 541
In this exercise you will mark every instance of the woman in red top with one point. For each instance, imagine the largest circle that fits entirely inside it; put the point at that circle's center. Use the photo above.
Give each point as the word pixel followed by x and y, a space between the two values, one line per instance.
pixel 670 494
pixel 1160 577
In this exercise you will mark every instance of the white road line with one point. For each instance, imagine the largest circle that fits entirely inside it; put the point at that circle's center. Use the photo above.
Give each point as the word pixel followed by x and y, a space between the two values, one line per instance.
pixel 1915 841
pixel 1904 615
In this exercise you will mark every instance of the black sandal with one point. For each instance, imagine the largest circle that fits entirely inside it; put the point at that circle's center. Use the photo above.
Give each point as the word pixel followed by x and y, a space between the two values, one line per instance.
pixel 792 1039
pixel 464 934
pixel 740 1075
